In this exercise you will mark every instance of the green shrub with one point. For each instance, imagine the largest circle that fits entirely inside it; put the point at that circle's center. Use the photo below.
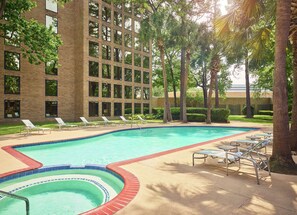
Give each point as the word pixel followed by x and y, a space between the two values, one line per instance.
pixel 197 110
pixel 244 110
pixel 196 117
pixel 266 112
pixel 175 112
pixel 220 115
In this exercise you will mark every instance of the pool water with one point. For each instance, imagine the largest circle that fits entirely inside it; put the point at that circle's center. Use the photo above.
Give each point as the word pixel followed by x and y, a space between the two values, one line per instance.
pixel 124 145
pixel 59 196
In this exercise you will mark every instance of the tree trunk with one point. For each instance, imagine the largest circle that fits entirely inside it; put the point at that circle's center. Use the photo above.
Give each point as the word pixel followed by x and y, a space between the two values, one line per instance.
pixel 2 8
pixel 185 80
pixel 217 102
pixel 167 113
pixel 211 86
pixel 204 88
pixel 247 88
pixel 281 159
pixel 182 81
pixel 293 132
pixel 173 85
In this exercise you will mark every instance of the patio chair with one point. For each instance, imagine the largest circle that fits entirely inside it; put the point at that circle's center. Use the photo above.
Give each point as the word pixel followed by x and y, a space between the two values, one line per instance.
pixel 106 121
pixel 141 119
pixel 250 154
pixel 260 143
pixel 126 121
pixel 86 122
pixel 29 126
pixel 62 124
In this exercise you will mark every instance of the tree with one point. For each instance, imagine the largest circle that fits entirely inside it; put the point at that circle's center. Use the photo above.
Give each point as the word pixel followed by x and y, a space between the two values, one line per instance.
pixel 36 42
pixel 236 28
pixel 281 158
pixel 293 35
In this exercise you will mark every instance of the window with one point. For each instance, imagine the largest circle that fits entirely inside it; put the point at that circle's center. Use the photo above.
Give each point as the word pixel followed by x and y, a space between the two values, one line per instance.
pixel 117 19
pixel 128 40
pixel 51 23
pixel 117 91
pixel 137 108
pixel 106 14
pixel 136 26
pixel 137 44
pixel 137 60
pixel 137 92
pixel 128 23
pixel 146 47
pixel 128 108
pixel 93 109
pixel 117 37
pixel 137 76
pixel 146 62
pixel 106 90
pixel 12 84
pixel 93 89
pixel 51 5
pixel 93 29
pixel 146 93
pixel 146 77
pixel 93 49
pixel 128 92
pixel 51 88
pixel 117 52
pixel 94 9
pixel 117 73
pixel 51 68
pixel 146 108
pixel 93 69
pixel 12 108
pixel 106 52
pixel 106 33
pixel 106 71
pixel 106 108
pixel 117 109
pixel 128 57
pixel 128 74
pixel 13 39
pixel 51 108
pixel 128 7
pixel 11 61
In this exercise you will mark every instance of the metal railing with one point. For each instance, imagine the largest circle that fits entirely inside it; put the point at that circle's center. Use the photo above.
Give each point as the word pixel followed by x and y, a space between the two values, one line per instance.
pixel 18 197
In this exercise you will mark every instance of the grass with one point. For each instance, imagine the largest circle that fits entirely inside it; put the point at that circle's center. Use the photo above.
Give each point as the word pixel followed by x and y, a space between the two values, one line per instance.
pixel 256 119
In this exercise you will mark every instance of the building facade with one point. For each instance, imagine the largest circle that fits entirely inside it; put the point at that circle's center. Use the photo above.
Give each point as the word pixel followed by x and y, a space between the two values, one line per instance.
pixel 103 68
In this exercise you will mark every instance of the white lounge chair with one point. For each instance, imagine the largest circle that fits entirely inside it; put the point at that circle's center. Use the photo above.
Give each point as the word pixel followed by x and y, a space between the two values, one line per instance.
pixel 259 143
pixel 141 119
pixel 126 121
pixel 29 126
pixel 61 123
pixel 106 121
pixel 251 154
pixel 86 122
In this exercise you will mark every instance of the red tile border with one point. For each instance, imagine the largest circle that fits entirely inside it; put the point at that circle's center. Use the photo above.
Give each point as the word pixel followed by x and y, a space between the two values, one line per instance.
pixel 131 183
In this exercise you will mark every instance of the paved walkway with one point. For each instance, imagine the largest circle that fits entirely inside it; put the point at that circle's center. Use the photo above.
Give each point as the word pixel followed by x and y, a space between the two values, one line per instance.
pixel 170 185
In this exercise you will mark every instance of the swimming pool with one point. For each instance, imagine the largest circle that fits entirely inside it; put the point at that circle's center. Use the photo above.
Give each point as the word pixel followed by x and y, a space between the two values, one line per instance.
pixel 110 148
pixel 123 145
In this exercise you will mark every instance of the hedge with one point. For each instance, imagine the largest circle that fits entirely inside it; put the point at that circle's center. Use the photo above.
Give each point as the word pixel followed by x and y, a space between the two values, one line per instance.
pixel 218 114
pixel 196 117
pixel 266 112
pixel 243 111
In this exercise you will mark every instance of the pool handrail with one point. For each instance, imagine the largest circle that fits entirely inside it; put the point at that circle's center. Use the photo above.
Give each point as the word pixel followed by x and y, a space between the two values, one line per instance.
pixel 19 198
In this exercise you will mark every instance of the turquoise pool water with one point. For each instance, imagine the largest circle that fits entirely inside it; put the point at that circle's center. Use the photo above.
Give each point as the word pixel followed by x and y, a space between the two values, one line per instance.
pixel 60 192
pixel 124 145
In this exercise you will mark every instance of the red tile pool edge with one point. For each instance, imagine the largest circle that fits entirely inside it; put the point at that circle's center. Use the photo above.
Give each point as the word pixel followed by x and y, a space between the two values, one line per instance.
pixel 131 183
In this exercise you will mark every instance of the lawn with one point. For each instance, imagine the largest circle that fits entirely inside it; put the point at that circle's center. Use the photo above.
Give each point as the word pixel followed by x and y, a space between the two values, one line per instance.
pixel 256 119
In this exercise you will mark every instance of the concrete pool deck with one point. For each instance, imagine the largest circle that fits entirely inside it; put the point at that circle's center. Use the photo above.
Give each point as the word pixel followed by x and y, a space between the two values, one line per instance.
pixel 169 184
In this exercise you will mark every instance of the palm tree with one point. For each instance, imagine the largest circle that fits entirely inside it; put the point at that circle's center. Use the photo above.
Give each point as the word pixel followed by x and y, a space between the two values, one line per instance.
pixel 293 35
pixel 236 29
pixel 281 155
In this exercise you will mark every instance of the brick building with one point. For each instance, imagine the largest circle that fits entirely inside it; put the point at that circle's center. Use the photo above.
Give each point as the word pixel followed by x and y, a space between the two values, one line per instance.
pixel 103 69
